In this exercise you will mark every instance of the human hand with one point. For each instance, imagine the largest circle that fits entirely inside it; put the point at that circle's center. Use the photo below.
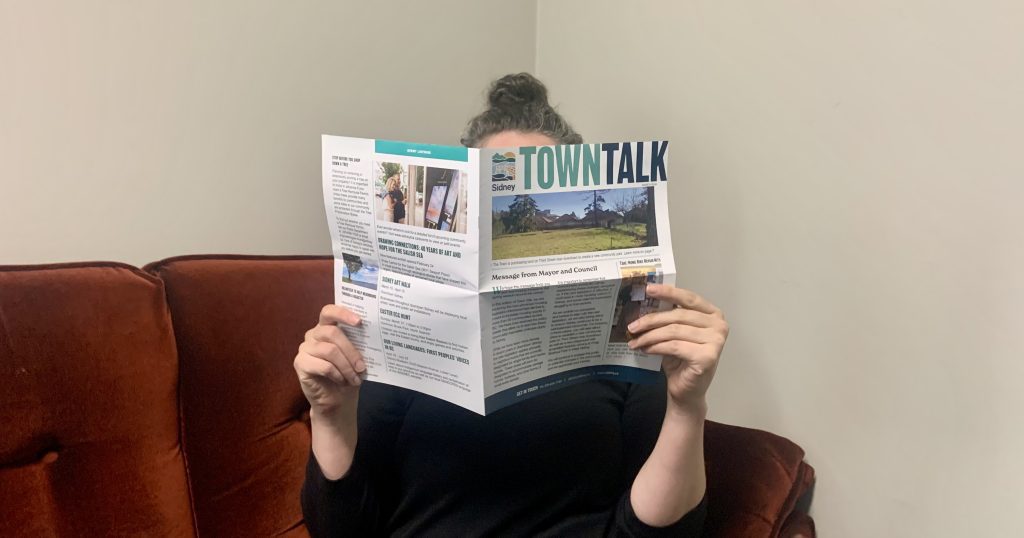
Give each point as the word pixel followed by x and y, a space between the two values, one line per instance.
pixel 328 365
pixel 689 337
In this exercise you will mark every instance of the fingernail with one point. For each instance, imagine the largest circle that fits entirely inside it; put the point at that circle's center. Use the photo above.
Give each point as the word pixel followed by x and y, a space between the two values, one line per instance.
pixel 360 365
pixel 633 327
pixel 631 344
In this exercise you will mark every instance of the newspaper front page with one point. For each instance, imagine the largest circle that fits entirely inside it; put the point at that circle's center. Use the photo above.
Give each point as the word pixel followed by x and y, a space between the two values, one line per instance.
pixel 487 276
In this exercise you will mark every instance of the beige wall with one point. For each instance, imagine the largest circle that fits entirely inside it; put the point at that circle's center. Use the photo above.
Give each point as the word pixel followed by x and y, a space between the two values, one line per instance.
pixel 848 183
pixel 137 130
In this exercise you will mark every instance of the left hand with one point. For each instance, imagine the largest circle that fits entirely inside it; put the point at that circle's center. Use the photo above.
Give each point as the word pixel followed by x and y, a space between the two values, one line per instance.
pixel 690 338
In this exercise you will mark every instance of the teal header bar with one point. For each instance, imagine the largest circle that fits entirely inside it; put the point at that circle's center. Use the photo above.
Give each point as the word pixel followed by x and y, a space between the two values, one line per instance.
pixel 429 151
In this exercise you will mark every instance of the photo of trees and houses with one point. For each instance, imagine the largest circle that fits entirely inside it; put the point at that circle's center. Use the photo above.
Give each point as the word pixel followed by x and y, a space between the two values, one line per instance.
pixel 547 224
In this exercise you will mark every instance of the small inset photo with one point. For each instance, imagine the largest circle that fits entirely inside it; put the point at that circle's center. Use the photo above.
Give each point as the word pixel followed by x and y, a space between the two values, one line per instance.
pixel 391 186
pixel 359 271
pixel 441 202
pixel 421 196
pixel 632 302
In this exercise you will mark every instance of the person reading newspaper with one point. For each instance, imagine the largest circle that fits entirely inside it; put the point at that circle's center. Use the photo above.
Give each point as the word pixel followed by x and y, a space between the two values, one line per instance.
pixel 600 458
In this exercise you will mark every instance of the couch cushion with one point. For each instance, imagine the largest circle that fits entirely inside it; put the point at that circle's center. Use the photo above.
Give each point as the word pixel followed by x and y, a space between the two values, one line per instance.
pixel 238 322
pixel 755 479
pixel 88 405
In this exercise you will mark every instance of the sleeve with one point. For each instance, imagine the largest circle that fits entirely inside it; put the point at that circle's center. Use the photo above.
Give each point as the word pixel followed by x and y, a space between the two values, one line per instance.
pixel 642 415
pixel 627 525
pixel 359 503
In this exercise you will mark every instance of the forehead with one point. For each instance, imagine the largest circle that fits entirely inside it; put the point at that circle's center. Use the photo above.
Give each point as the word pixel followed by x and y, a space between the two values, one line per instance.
pixel 508 139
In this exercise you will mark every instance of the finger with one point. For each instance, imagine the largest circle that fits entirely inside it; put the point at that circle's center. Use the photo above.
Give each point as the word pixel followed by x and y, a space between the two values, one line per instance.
pixel 686 333
pixel 668 317
pixel 681 297
pixel 332 313
pixel 695 355
pixel 310 365
pixel 333 334
pixel 674 348
pixel 331 353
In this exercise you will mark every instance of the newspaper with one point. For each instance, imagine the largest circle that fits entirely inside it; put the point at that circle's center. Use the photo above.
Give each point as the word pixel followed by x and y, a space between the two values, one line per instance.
pixel 488 276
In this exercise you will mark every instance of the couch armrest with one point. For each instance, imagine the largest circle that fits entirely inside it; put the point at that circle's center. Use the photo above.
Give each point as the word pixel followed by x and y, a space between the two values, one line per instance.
pixel 798 525
pixel 755 480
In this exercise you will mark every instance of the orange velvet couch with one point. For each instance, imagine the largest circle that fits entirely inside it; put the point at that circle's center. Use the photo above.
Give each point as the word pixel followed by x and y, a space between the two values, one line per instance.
pixel 162 402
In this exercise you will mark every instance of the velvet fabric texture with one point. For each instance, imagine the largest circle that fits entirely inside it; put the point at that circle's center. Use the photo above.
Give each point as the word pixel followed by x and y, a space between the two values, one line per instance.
pixel 88 405
pixel 755 479
pixel 97 438
pixel 239 321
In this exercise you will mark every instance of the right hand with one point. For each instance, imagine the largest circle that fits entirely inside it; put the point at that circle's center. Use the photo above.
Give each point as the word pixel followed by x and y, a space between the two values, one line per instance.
pixel 328 365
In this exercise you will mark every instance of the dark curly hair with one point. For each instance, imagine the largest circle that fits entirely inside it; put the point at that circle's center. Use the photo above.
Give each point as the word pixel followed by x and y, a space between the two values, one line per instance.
pixel 519 102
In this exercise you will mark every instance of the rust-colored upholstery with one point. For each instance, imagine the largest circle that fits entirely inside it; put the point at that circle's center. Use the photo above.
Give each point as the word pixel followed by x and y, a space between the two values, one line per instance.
pixel 755 479
pixel 238 322
pixel 798 525
pixel 88 405
pixel 91 360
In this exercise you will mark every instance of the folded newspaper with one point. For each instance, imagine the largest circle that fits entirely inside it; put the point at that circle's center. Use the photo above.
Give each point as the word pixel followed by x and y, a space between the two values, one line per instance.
pixel 488 276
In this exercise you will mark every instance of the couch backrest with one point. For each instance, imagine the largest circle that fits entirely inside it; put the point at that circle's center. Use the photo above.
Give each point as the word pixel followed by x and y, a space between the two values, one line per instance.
pixel 89 437
pixel 238 321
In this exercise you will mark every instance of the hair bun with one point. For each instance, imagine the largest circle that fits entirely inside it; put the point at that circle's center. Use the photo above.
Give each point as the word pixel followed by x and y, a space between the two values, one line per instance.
pixel 517 90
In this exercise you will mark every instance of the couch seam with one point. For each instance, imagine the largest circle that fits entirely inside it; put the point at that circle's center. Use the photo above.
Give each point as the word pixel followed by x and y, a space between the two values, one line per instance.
pixel 135 271
pixel 180 406
pixel 156 266
pixel 798 487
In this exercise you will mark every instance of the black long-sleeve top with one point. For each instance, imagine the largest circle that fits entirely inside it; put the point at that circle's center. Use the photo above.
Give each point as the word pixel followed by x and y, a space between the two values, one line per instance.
pixel 560 464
